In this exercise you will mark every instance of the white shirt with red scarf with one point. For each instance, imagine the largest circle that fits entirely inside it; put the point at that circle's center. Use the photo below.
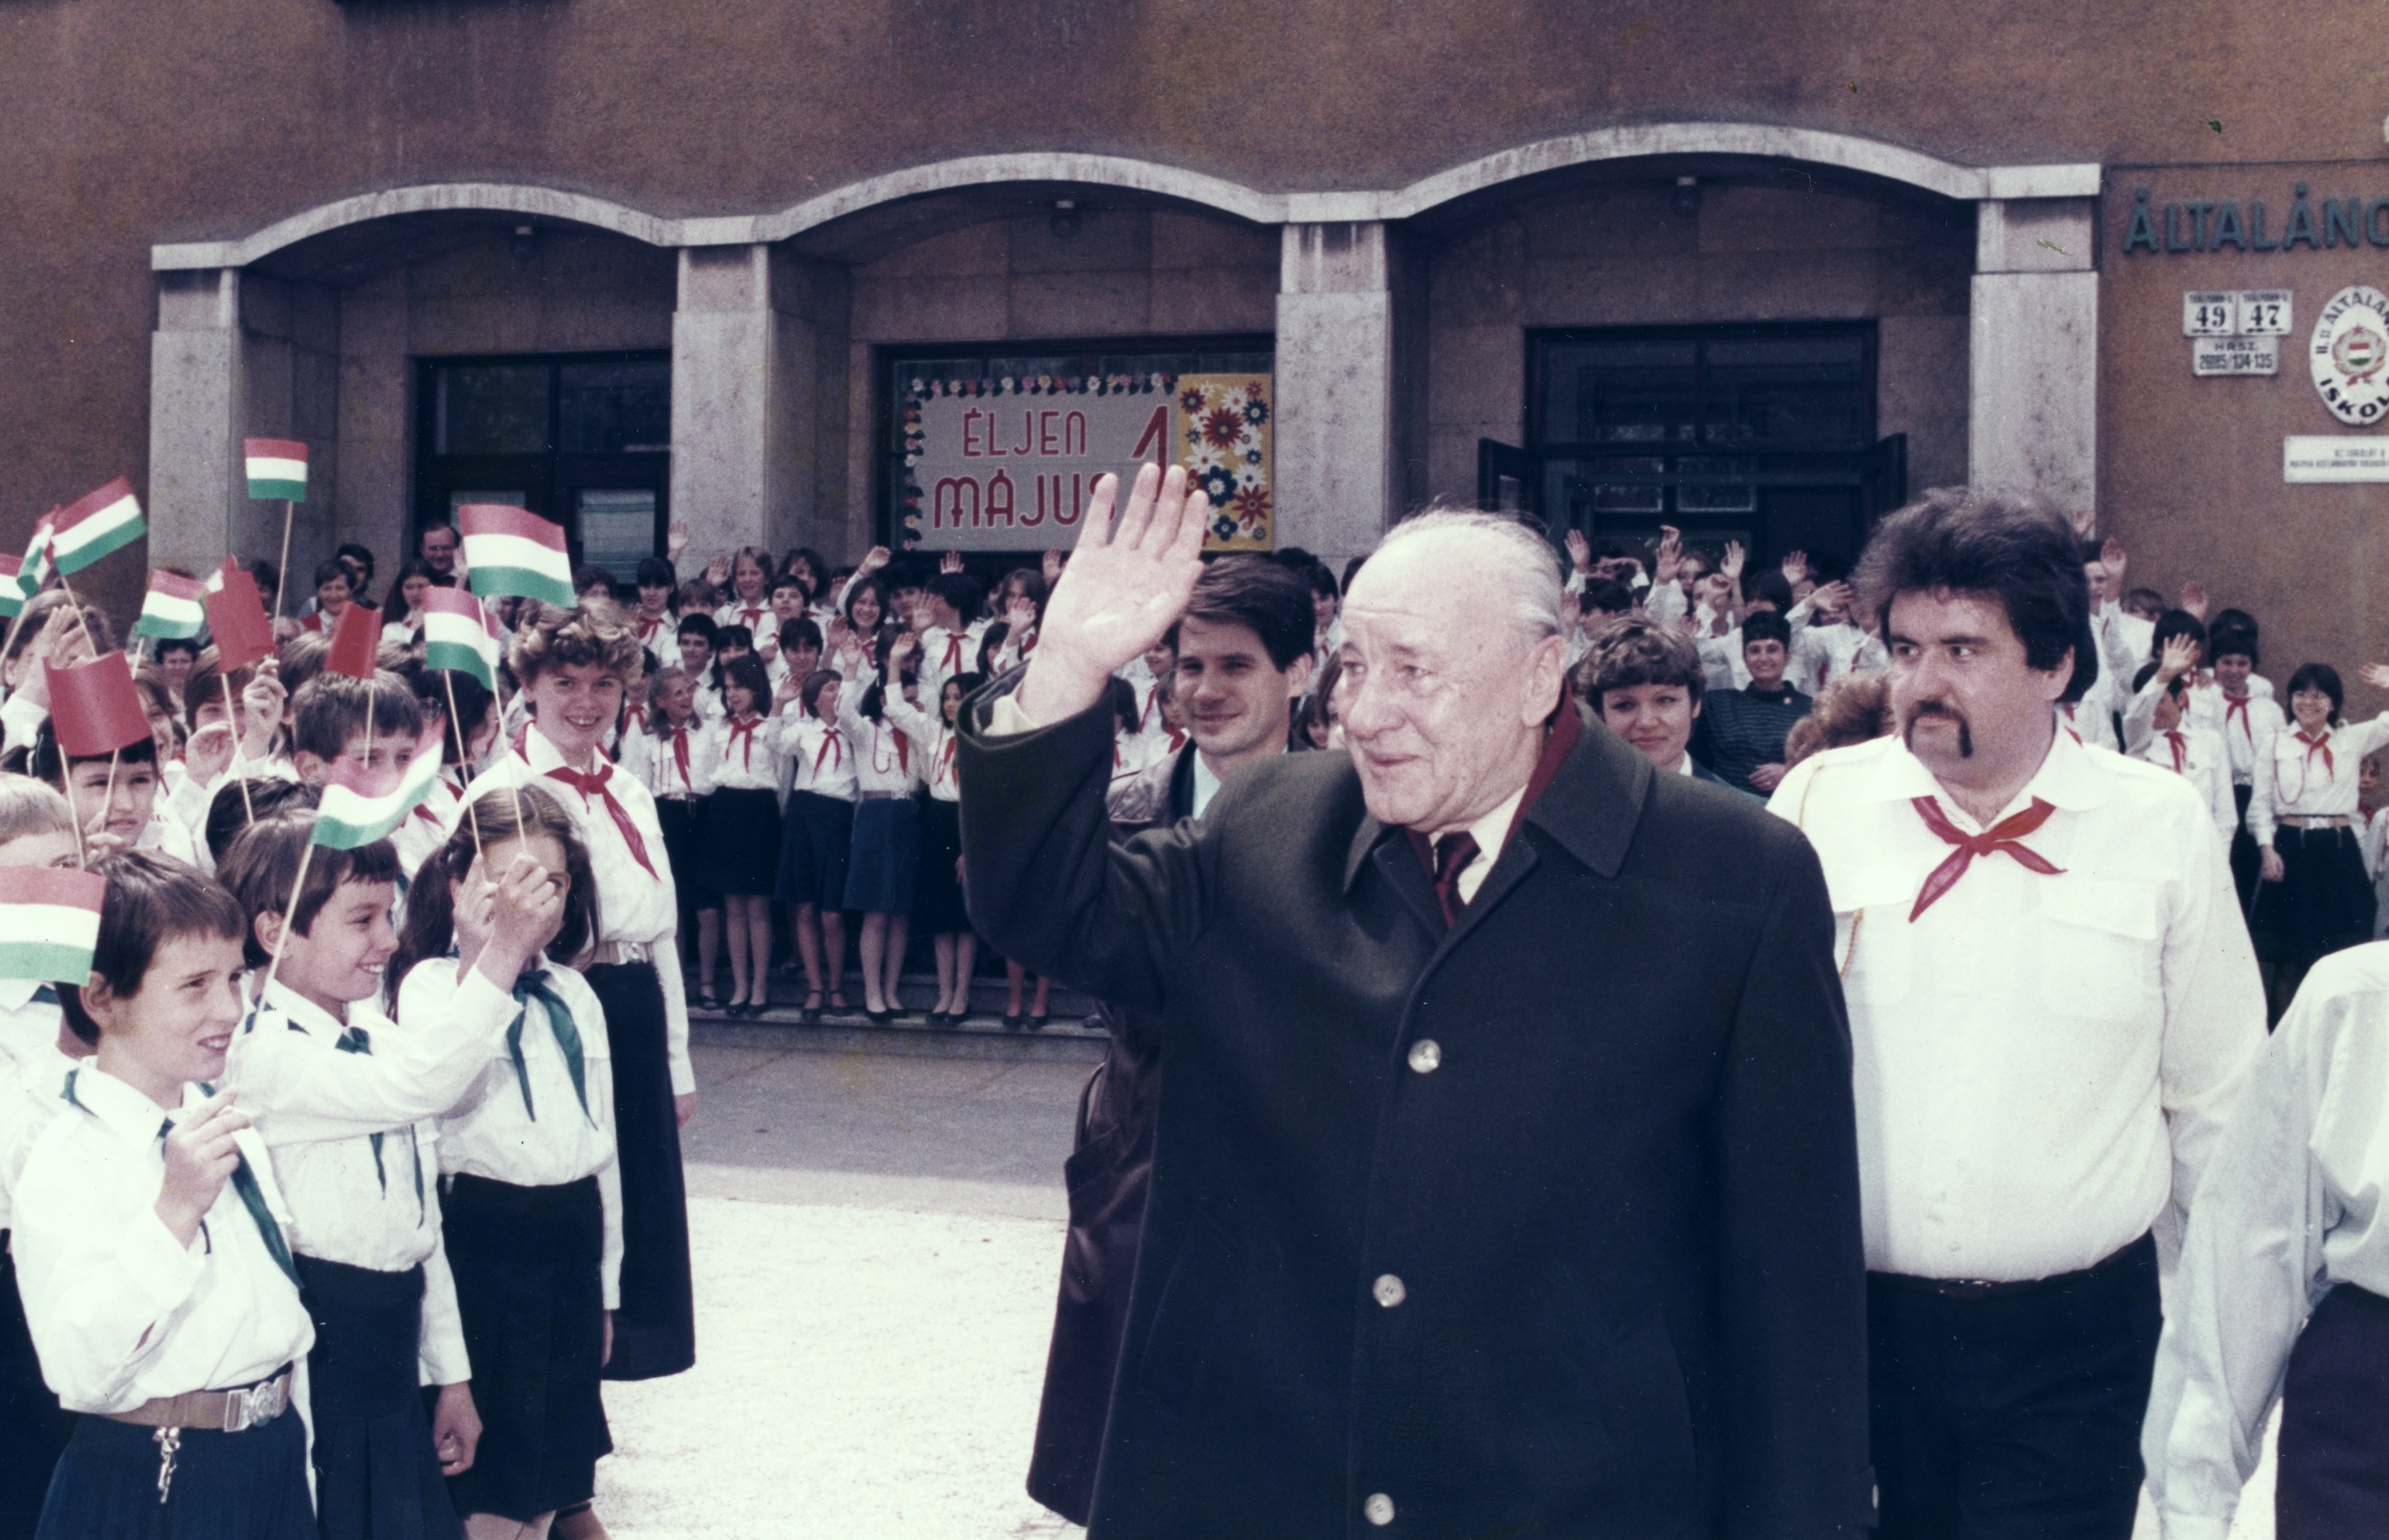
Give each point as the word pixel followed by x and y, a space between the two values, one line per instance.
pixel 675 765
pixel 2197 754
pixel 945 653
pixel 745 755
pixel 756 616
pixel 884 760
pixel 818 752
pixel 2249 723
pixel 932 747
pixel 2312 775
pixel 637 903
pixel 2046 1047
pixel 658 635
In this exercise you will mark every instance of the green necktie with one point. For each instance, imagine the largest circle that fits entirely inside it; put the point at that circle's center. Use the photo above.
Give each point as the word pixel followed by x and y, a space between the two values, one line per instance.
pixel 356 1039
pixel 529 987
pixel 244 1181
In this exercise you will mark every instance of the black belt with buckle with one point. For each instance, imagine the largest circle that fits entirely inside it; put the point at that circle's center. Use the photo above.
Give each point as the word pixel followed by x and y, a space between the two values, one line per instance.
pixel 1979 1287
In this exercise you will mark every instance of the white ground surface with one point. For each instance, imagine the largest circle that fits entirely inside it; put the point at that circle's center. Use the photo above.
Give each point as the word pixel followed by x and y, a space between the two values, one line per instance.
pixel 875 1244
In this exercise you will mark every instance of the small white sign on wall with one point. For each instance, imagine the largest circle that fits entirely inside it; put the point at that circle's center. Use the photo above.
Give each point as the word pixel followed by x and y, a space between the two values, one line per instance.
pixel 2210 313
pixel 2312 457
pixel 2236 355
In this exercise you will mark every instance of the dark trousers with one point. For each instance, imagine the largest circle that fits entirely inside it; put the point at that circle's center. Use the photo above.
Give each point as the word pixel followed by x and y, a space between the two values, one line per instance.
pixel 2014 1415
pixel 2247 861
pixel 2334 1462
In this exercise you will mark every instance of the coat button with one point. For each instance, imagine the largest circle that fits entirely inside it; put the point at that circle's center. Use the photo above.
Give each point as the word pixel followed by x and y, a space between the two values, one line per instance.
pixel 1378 1510
pixel 1426 1056
pixel 1389 1291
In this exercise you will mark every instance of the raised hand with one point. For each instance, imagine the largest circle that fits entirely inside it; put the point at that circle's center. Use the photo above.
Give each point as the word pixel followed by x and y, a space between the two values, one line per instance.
pixel 1580 550
pixel 676 540
pixel 2194 599
pixel 1671 554
pixel 2179 657
pixel 1020 614
pixel 1051 566
pixel 717 572
pixel 2377 675
pixel 200 1156
pixel 951 562
pixel 209 753
pixel 1122 591
pixel 1734 558
pixel 872 560
pixel 260 703
pixel 526 909
pixel 1795 566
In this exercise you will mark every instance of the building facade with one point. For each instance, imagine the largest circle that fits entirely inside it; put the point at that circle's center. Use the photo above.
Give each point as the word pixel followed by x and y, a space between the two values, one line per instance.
pixel 845 275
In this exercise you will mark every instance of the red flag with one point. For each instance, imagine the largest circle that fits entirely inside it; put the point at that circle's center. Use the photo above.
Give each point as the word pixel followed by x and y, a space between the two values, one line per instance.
pixel 356 642
pixel 93 706
pixel 237 619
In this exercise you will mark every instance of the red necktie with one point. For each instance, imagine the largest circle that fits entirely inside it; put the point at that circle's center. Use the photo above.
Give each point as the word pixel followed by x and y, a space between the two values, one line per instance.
pixel 945 760
pixel 746 730
pixel 754 614
pixel 954 664
pixel 2237 706
pixel 2004 836
pixel 2181 748
pixel 833 749
pixel 2323 745
pixel 593 784
pixel 679 757
pixel 1452 854
pixel 2068 709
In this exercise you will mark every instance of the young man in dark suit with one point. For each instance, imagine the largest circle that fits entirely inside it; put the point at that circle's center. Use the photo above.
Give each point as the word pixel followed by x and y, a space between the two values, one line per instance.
pixel 1439 1241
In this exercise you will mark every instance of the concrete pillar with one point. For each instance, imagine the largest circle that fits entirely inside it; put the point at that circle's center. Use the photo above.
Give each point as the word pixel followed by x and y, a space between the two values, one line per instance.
pixel 198 503
pixel 759 343
pixel 1350 437
pixel 2033 416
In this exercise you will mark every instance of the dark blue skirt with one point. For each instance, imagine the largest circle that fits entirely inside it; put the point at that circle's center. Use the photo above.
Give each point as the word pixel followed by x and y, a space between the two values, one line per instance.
pixel 33 1431
pixel 816 835
pixel 376 1473
pixel 249 1485
pixel 887 849
pixel 738 832
pixel 525 1260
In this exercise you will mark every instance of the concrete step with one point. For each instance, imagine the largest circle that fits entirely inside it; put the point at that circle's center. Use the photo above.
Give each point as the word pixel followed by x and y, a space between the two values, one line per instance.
pixel 786 994
pixel 907 1038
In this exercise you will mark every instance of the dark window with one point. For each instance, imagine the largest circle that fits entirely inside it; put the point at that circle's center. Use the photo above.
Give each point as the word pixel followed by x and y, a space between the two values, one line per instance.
pixel 581 439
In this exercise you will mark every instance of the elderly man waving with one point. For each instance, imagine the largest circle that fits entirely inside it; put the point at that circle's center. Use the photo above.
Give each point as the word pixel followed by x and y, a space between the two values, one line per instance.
pixel 1505 1178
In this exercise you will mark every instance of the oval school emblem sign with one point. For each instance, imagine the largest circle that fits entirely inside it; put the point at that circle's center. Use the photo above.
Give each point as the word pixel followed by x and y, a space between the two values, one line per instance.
pixel 2350 356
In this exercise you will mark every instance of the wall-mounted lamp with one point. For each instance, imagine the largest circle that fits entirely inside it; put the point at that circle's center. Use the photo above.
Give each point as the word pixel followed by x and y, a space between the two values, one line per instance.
pixel 524 244
pixel 1687 196
pixel 1066 217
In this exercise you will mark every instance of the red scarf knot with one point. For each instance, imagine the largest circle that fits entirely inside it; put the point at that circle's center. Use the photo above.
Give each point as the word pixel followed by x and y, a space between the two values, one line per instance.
pixel 833 749
pixel 743 727
pixel 2319 742
pixel 2237 706
pixel 953 663
pixel 680 755
pixel 592 784
pixel 2003 837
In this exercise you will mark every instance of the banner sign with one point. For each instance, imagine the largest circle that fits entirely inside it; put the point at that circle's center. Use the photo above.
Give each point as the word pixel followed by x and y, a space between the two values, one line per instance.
pixel 1008 464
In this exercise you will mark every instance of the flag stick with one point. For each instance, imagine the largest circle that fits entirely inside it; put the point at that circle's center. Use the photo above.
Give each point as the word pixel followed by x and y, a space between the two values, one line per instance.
pixel 76 605
pixel 282 573
pixel 289 910
pixel 464 769
pixel 16 622
pixel 107 803
pixel 373 697
pixel 232 725
pixel 82 856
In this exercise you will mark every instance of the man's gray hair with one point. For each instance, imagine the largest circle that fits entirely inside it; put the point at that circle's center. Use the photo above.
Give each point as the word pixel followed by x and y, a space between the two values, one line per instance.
pixel 1527 564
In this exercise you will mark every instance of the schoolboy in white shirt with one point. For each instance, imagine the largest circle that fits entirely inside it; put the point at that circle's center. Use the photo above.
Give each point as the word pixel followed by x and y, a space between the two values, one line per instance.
pixel 2194 753
pixel 152 1244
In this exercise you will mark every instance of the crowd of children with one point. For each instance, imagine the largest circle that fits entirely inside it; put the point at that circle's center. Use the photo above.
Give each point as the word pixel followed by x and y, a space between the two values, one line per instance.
pixel 392 1132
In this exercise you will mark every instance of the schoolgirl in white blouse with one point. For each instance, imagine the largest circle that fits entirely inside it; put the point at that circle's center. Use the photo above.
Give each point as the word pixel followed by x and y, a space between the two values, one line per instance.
pixel 739 849
pixel 2314 897
pixel 885 850
pixel 936 888
pixel 531 1180
pixel 816 836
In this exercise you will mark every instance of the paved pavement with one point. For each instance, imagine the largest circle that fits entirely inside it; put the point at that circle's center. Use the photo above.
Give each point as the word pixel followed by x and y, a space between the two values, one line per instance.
pixel 876 1240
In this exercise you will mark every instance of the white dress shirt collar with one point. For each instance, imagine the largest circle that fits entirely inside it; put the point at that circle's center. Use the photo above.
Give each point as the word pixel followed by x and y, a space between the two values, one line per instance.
pixel 1489 831
pixel 1207 784
pixel 124 1112
pixel 298 1010
pixel 2067 779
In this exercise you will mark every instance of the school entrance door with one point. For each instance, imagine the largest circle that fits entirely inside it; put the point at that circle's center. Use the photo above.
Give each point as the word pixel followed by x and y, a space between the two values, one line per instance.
pixel 1762 434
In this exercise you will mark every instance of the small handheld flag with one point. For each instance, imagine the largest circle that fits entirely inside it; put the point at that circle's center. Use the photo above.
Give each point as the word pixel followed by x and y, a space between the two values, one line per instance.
pixel 172 609
pixel 12 597
pixel 49 924
pixel 457 635
pixel 35 570
pixel 93 706
pixel 513 551
pixel 237 619
pixel 347 817
pixel 103 520
pixel 356 642
pixel 277 468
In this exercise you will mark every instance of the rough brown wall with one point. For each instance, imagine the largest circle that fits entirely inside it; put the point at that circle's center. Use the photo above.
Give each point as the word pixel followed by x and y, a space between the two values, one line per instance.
pixel 128 122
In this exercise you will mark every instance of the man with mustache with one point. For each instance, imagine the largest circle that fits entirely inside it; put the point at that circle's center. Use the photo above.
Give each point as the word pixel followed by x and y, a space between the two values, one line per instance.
pixel 1503 1176
pixel 2052 1006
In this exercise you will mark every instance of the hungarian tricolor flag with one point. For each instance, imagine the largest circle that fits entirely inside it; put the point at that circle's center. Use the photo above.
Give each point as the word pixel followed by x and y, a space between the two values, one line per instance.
pixel 105 519
pixel 172 608
pixel 49 924
pixel 356 642
pixel 12 597
pixel 277 468
pixel 34 569
pixel 347 818
pixel 514 551
pixel 93 708
pixel 457 634
pixel 237 619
